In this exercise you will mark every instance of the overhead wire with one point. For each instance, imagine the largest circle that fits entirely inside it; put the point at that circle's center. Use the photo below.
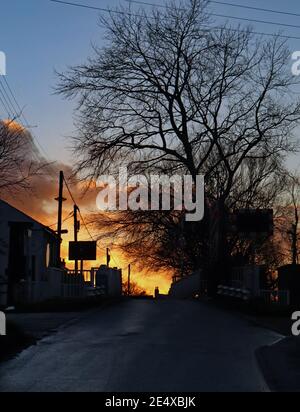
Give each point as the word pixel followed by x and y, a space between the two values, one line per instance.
pixel 69 3
pixel 243 6
pixel 145 3
pixel 79 211
pixel 224 3
pixel 70 215
pixel 85 224
pixel 19 112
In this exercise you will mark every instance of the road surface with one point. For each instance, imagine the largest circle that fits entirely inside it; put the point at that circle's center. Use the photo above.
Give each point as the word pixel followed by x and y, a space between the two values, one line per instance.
pixel 144 346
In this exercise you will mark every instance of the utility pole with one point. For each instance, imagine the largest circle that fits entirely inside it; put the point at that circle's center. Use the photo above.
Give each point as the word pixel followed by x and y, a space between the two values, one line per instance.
pixel 107 257
pixel 60 200
pixel 128 282
pixel 76 229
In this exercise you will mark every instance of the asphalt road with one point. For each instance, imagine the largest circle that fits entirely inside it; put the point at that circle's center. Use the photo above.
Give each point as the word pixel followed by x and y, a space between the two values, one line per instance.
pixel 143 346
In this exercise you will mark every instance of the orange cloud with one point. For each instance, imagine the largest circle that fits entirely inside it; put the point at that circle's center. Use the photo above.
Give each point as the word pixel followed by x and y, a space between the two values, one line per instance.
pixel 40 204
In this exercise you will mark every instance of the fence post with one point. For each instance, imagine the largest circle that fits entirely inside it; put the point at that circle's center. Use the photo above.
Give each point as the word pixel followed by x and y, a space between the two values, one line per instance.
pixel 2 324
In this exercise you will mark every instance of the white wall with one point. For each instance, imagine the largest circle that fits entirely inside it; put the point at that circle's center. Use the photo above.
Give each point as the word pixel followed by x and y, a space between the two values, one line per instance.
pixel 35 245
pixel 114 280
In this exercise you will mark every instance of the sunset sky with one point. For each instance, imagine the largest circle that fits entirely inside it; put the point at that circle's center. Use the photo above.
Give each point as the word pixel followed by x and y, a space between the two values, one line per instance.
pixel 39 37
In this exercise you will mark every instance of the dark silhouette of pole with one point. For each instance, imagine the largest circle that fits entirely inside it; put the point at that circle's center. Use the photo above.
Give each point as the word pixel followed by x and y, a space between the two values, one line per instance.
pixel 60 200
pixel 128 282
pixel 107 257
pixel 75 236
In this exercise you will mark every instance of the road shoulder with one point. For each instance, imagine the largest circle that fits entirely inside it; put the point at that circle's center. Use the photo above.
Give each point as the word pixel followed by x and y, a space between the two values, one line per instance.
pixel 280 364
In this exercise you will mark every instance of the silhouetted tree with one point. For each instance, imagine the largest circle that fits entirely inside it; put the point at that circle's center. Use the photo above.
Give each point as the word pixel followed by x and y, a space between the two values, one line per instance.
pixel 17 165
pixel 171 93
pixel 288 217
pixel 135 289
pixel 155 239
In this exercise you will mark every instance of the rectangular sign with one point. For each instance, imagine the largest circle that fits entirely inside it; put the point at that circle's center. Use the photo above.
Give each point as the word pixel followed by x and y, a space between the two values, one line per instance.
pixel 82 250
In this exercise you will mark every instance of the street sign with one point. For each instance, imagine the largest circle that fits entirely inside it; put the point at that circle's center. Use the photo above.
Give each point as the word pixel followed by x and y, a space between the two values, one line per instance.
pixel 82 250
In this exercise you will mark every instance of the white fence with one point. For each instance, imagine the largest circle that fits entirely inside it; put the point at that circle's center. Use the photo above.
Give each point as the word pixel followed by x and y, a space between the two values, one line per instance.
pixel 247 282
pixel 59 284
pixel 239 293
pixel 73 286
pixel 270 297
pixel 62 284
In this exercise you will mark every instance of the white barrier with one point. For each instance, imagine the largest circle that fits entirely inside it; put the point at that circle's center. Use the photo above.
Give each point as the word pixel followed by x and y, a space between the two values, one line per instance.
pixel 238 293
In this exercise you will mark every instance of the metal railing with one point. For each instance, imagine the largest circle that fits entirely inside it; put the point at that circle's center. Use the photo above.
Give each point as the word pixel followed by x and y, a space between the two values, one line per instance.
pixel 232 292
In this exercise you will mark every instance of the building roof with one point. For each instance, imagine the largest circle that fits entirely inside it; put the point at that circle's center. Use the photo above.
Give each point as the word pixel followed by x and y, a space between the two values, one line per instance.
pixel 27 217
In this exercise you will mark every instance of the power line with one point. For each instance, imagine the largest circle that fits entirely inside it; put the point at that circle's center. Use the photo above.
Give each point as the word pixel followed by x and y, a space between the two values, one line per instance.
pixel 70 215
pixel 9 106
pixel 224 3
pixel 255 8
pixel 80 214
pixel 83 221
pixel 222 15
pixel 5 101
pixel 4 105
pixel 70 193
pixel 116 262
pixel 257 33
pixel 26 124
pixel 257 21
pixel 8 97
pixel 14 111
pixel 86 6
pixel 68 3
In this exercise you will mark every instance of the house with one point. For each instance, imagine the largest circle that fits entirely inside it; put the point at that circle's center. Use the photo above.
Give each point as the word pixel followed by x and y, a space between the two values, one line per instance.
pixel 29 261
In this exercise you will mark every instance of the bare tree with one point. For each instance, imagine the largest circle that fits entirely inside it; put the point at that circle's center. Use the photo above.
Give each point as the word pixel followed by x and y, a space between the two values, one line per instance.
pixel 155 239
pixel 168 89
pixel 17 164
pixel 288 217
pixel 135 289
pixel 170 92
